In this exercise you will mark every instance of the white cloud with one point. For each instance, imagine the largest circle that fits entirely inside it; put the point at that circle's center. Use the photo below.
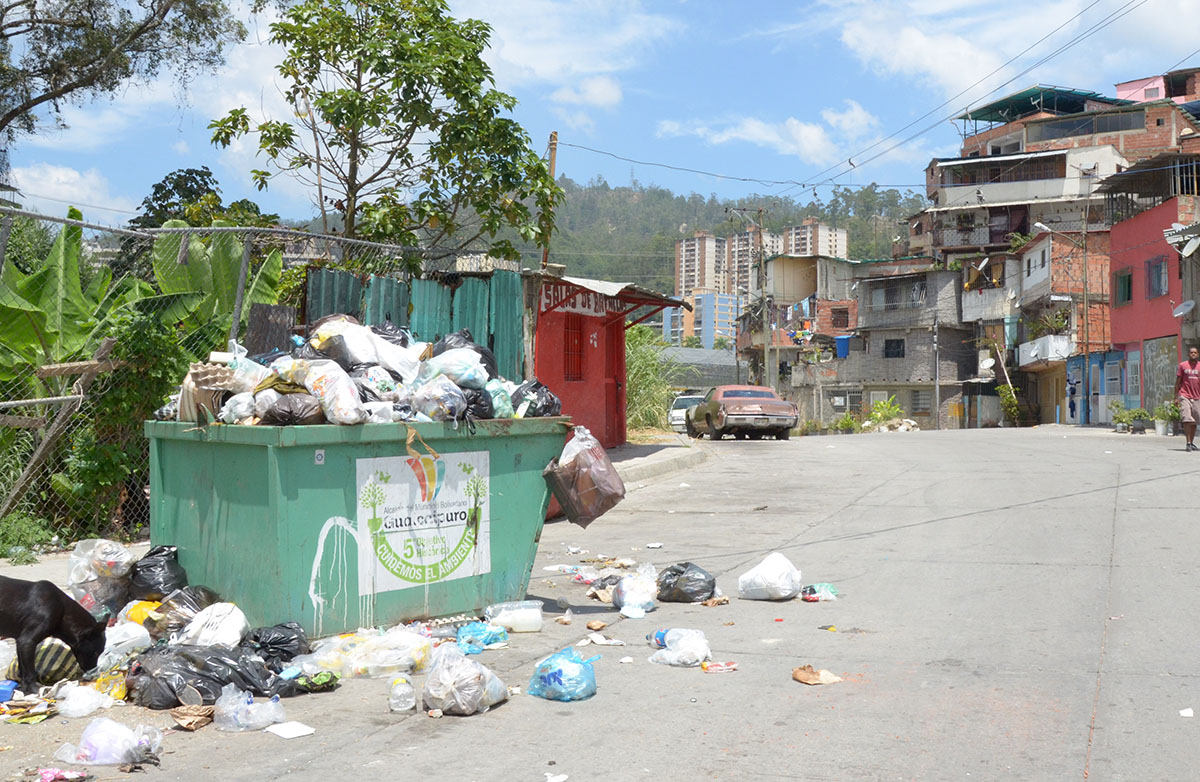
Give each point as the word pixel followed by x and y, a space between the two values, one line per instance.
pixel 50 189
pixel 601 91
pixel 854 122
pixel 805 140
pixel 576 120
pixel 181 147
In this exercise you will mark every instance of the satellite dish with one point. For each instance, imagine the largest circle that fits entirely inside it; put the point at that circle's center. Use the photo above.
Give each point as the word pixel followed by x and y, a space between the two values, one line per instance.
pixel 1190 247
pixel 1177 226
pixel 1033 352
pixel 1184 309
pixel 987 363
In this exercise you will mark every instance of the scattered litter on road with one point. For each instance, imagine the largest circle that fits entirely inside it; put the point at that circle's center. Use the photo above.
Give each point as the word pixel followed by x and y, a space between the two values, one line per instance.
pixel 555 777
pixel 830 628
pixel 775 578
pixel 565 619
pixel 60 775
pixel 711 667
pixel 680 647
pixel 564 676
pixel 761 507
pixel 814 593
pixel 291 730
pixel 599 640
pixel 806 675
pixel 686 582
pixel 625 660
pixel 573 550
pixel 653 545
pixel 192 718
pixel 779 619
pixel 1186 713
pixel 596 624
pixel 713 602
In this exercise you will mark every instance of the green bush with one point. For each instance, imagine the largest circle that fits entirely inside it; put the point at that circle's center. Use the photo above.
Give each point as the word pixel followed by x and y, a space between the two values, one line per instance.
pixel 885 410
pixel 1008 403
pixel 847 423
pixel 20 535
pixel 1167 411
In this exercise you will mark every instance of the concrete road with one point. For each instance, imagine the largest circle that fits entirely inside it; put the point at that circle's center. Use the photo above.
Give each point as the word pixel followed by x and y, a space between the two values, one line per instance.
pixel 1016 604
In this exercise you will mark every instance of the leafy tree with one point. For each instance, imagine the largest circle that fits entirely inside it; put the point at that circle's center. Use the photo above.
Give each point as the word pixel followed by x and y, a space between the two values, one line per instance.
pixel 692 342
pixel 28 245
pixel 722 343
pixel 56 51
pixel 169 198
pixel 242 212
pixel 398 127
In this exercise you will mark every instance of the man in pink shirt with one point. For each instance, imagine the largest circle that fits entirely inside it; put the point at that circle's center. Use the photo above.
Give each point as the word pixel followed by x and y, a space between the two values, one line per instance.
pixel 1187 388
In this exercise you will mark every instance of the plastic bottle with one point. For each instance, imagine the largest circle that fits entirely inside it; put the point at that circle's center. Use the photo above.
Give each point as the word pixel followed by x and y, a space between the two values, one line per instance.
pixel 402 696
pixel 658 639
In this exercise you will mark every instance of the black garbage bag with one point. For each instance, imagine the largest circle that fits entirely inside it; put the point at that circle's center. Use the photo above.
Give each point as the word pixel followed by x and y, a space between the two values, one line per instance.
pixel 542 401
pixel 294 410
pixel 479 404
pixel 278 644
pixel 393 333
pixel 178 609
pixel 462 339
pixel 685 582
pixel 306 352
pixel 157 574
pixel 166 676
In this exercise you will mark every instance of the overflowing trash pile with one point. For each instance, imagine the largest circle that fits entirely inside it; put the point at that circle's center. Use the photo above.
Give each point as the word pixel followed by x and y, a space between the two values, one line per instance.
pixel 350 374
pixel 171 645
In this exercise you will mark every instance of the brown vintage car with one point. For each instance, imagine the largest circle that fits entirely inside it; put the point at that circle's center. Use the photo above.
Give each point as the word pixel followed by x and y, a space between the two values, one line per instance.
pixel 743 411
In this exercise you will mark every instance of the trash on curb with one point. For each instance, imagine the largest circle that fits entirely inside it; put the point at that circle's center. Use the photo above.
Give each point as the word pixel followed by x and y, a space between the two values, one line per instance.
pixel 596 624
pixel 711 667
pixel 806 675
pixel 192 718
pixel 60 775
pixel 457 685
pixel 290 730
pixel 520 616
pixel 108 743
pixel 237 712
pixel 775 578
pixel 713 602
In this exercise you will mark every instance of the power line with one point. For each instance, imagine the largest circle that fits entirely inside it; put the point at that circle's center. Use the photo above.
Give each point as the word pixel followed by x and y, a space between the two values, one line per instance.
pixel 756 180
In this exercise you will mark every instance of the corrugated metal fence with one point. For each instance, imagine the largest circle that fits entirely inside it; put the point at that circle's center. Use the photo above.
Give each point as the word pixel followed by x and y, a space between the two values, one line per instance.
pixel 492 307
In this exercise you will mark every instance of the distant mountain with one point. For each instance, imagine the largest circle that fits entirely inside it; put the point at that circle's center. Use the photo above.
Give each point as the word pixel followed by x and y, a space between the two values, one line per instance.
pixel 628 233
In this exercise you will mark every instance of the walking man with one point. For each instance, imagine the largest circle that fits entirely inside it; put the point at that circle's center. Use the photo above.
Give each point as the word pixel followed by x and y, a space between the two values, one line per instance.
pixel 1187 388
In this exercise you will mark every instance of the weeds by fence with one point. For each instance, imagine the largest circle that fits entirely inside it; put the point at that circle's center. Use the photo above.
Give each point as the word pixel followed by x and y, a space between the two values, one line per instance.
pixel 97 327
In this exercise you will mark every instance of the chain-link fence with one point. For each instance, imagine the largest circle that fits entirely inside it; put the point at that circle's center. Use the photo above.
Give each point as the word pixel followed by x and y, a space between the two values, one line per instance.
pixel 98 326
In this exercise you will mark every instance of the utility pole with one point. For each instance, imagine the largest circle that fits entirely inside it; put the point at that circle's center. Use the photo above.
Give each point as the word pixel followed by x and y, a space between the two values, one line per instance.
pixel 937 372
pixel 1087 345
pixel 553 155
pixel 758 257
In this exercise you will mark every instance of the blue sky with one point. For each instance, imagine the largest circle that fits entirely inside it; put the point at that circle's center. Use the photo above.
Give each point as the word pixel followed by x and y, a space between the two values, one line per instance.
pixel 762 90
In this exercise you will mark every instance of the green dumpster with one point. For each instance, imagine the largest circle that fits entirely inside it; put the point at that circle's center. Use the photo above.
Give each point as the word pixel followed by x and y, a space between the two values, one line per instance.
pixel 340 527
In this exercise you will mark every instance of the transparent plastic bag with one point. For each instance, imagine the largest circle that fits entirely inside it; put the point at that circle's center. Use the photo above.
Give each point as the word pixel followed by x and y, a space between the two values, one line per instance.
pixel 404 362
pixel 518 616
pixel 237 408
pixel 440 399
pixel 564 676
pixel 375 384
pixel 461 365
pixel 775 578
pixel 332 387
pixel 457 685
pixel 120 640
pixel 379 412
pixel 248 374
pixel 583 479
pixel 816 593
pixel 106 742
pixel 236 711
pixel 79 700
pixel 502 406
pixel 220 624
pixel 96 558
pixel 684 648
pixel 634 595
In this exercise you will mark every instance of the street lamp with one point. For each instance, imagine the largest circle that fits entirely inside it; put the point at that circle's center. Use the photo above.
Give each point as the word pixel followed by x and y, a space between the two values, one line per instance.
pixel 1087 345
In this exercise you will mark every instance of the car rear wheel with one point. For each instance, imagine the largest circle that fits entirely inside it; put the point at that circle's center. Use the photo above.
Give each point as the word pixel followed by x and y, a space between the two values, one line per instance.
pixel 783 434
pixel 691 429
pixel 713 432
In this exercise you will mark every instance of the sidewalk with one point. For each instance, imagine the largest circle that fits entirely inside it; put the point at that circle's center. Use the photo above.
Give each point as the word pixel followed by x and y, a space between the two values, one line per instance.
pixel 642 462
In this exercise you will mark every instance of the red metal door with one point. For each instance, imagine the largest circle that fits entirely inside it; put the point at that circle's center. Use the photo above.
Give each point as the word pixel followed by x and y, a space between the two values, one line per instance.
pixel 614 385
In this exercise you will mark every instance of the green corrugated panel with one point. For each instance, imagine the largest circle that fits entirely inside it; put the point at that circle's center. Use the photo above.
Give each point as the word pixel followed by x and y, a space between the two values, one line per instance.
pixel 430 310
pixel 330 291
pixel 385 299
pixel 471 308
pixel 506 309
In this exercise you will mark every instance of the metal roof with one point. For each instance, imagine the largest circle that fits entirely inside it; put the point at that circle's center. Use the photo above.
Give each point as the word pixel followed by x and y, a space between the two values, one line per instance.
pixel 960 161
pixel 1039 97
pixel 1146 176
pixel 1024 202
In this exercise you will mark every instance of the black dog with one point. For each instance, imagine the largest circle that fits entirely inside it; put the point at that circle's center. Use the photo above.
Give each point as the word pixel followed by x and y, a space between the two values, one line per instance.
pixel 32 611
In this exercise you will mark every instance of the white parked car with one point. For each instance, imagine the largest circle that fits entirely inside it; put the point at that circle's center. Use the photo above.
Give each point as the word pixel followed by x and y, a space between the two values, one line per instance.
pixel 677 416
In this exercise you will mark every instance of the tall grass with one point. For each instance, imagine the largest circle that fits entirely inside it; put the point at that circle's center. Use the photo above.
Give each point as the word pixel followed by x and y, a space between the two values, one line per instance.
pixel 648 392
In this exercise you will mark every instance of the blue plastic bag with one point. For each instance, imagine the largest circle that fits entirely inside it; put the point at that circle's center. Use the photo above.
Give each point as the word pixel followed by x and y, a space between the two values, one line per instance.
pixel 474 636
pixel 564 676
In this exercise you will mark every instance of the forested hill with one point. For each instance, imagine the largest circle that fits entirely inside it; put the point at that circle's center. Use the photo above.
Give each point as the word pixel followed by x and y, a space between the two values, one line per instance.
pixel 628 234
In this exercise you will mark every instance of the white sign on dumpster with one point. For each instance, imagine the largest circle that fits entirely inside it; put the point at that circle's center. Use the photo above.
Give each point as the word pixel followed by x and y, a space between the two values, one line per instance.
pixel 425 519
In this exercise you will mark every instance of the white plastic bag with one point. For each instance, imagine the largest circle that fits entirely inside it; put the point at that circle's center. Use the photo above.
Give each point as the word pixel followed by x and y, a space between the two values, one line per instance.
pixel 405 362
pixel 8 653
pixel 248 374
pixel 121 639
pixel 775 578
pixel 684 648
pixel 264 399
pixel 332 387
pixel 581 440
pixel 220 624
pixel 79 700
pixel 378 412
pixel 462 365
pixel 98 557
pixel 634 595
pixel 238 407
pixel 458 685
pixel 440 399
pixel 236 711
pixel 358 340
pixel 106 742
pixel 519 616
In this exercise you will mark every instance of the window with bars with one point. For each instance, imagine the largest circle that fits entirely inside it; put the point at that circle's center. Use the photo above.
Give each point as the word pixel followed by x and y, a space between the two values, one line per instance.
pixel 573 347
pixel 1156 277
pixel 893 348
pixel 921 402
pixel 841 318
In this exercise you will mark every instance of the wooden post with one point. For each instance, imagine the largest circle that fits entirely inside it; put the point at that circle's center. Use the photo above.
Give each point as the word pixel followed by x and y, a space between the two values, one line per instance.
pixel 553 156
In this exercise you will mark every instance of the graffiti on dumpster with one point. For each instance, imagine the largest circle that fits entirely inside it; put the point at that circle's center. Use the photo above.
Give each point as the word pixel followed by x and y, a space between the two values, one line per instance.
pixel 423 520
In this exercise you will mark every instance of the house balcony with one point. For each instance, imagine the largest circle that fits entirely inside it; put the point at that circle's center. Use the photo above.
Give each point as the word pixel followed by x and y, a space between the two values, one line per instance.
pixel 1043 351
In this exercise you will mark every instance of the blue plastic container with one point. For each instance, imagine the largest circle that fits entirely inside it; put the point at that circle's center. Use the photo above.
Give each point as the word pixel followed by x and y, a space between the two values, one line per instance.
pixel 7 688
pixel 842 346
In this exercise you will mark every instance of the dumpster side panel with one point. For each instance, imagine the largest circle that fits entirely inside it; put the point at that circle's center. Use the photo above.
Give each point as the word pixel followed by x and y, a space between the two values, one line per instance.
pixel 430 310
pixel 471 308
pixel 506 314
pixel 274 525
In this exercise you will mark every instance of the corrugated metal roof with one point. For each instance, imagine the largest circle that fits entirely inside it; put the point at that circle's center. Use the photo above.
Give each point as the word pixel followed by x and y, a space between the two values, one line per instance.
pixel 962 161
pixel 1039 97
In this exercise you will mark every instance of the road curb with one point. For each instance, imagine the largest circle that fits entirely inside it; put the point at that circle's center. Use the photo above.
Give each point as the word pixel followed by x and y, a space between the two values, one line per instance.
pixel 688 457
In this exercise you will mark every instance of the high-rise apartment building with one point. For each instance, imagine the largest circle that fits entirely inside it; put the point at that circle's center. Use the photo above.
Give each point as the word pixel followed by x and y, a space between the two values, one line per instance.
pixel 813 238
pixel 741 254
pixel 699 263
pixel 713 316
